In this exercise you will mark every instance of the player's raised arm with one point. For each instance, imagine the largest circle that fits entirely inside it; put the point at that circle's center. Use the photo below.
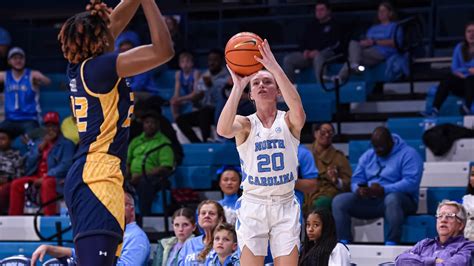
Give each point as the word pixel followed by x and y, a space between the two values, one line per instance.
pixel 143 58
pixel 121 16
pixel 296 114
pixel 230 124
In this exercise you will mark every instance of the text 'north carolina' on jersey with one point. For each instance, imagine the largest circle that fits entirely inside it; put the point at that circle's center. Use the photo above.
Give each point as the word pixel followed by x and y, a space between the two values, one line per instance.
pixel 102 104
pixel 269 158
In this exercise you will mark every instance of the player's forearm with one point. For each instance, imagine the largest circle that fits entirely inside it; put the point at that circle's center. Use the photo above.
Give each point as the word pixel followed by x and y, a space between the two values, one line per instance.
pixel 160 36
pixel 306 185
pixel 291 96
pixel 121 16
pixel 387 42
pixel 228 114
pixel 59 252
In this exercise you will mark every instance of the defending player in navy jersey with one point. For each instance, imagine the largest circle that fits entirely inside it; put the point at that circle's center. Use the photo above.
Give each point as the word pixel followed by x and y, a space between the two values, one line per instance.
pixel 267 142
pixel 103 105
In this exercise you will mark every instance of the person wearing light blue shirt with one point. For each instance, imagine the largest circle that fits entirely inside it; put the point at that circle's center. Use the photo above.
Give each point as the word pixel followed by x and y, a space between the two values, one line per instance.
pixel 307 173
pixel 229 182
pixel 210 214
pixel 136 246
pixel 377 46
pixel 461 80
pixel 385 184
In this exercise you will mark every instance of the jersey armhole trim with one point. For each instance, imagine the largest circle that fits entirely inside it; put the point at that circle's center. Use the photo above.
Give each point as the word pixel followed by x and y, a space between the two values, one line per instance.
pixel 86 88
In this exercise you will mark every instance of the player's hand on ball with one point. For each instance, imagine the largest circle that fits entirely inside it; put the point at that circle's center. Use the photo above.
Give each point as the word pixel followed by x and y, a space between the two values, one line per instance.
pixel 239 81
pixel 268 59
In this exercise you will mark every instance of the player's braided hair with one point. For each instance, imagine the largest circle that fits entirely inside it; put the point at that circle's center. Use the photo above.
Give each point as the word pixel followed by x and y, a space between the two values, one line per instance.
pixel 220 217
pixel 86 34
pixel 317 252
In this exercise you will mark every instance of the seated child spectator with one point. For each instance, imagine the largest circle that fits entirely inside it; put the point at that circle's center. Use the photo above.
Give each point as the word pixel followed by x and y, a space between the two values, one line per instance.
pixel 229 182
pixel 11 167
pixel 320 245
pixel 224 247
pixel 185 80
pixel 210 214
pixel 168 249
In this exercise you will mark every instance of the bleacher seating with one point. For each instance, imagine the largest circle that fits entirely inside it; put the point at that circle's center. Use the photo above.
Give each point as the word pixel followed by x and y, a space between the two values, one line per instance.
pixel 20 228
pixel 374 255
pixel 57 101
pixel 413 128
pixel 462 150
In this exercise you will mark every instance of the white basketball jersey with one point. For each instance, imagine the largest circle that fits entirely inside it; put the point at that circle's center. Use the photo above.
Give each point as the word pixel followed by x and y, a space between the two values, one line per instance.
pixel 269 158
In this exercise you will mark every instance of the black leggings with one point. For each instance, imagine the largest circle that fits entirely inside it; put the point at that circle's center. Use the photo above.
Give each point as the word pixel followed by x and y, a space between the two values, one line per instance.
pixel 97 250
pixel 203 118
pixel 463 88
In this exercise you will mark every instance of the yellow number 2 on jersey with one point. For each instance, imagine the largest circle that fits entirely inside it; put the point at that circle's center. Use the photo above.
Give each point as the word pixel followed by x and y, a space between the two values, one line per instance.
pixel 79 107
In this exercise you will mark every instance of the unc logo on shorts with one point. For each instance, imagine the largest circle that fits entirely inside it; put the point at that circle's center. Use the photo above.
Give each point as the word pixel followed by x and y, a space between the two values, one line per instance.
pixel 278 130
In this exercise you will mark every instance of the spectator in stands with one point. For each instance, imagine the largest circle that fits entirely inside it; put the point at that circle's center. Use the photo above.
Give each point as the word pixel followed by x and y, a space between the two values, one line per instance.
pixel 224 247
pixel 333 167
pixel 136 127
pixel 377 46
pixel 210 214
pixel 142 82
pixel 178 41
pixel 21 94
pixel 449 247
pixel 385 184
pixel 46 165
pixel 321 39
pixel 461 80
pixel 136 247
pixel 185 80
pixel 5 41
pixel 210 90
pixel 468 204
pixel 229 182
pixel 156 147
pixel 184 224
pixel 307 174
pixel 11 167
pixel 320 245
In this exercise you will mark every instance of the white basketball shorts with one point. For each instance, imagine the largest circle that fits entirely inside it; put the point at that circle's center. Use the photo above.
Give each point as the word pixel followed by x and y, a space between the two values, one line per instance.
pixel 274 219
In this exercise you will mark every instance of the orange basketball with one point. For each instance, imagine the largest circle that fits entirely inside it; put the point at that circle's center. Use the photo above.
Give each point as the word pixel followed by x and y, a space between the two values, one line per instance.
pixel 240 51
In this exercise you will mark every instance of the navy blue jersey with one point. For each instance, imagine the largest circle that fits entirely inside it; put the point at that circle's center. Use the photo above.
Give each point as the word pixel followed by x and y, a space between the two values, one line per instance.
pixel 103 105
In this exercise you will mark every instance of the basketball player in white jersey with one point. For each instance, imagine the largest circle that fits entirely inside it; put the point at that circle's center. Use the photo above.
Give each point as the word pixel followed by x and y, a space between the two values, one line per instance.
pixel 267 142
